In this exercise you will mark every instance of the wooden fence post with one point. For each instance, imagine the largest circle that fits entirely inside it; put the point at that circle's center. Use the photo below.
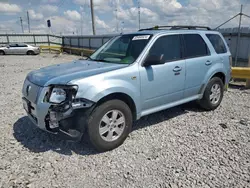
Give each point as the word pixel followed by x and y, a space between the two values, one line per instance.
pixel 48 43
pixel 34 39
pixel 8 40
pixel 248 81
pixel 70 46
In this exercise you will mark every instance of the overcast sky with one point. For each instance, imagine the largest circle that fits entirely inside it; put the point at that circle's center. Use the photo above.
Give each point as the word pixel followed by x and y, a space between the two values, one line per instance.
pixel 67 16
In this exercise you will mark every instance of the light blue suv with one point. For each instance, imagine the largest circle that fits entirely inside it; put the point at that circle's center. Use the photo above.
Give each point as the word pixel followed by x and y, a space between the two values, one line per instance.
pixel 130 76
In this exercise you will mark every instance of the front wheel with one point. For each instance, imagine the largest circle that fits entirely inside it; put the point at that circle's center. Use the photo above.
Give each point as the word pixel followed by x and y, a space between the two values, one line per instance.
pixel 109 125
pixel 213 94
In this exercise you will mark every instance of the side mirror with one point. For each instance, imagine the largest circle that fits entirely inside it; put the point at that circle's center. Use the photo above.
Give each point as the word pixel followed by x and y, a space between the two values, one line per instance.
pixel 154 60
pixel 8 46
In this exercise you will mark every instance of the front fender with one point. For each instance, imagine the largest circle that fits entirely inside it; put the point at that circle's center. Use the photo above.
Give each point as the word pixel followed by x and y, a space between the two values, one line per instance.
pixel 99 89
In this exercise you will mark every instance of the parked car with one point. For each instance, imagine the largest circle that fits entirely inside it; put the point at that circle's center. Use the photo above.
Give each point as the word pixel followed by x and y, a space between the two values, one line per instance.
pixel 19 48
pixel 131 76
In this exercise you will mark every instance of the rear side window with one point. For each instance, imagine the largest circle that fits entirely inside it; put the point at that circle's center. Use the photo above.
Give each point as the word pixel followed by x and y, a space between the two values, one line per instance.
pixel 22 45
pixel 217 43
pixel 169 46
pixel 195 46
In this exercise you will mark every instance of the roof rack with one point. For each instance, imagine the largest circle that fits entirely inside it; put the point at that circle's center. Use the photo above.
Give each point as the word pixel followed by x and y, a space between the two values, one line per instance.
pixel 176 27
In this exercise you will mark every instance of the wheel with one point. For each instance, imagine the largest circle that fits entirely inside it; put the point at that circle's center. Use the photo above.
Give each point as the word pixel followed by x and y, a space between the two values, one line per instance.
pixel 30 53
pixel 2 52
pixel 109 125
pixel 213 94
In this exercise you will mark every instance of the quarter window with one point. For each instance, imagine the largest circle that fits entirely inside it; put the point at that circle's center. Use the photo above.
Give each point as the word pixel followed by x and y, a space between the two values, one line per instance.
pixel 195 46
pixel 217 43
pixel 169 46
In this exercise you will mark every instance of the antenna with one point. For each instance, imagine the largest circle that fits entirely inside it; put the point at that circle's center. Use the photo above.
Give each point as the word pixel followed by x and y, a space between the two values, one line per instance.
pixel 21 21
pixel 139 15
pixel 28 18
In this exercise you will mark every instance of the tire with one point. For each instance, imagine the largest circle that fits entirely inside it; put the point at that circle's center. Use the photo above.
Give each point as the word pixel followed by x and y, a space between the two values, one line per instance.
pixel 2 52
pixel 211 104
pixel 96 124
pixel 30 53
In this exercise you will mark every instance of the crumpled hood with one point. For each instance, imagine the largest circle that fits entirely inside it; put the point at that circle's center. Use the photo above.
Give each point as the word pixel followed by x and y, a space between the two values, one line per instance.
pixel 64 73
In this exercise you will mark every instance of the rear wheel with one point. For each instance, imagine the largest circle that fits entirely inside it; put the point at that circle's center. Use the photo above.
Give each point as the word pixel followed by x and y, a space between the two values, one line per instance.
pixel 213 94
pixel 30 53
pixel 2 52
pixel 109 125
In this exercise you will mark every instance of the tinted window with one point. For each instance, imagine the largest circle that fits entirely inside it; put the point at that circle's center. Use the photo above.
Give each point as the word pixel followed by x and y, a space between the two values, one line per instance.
pixel 13 45
pixel 22 45
pixel 169 46
pixel 195 46
pixel 217 43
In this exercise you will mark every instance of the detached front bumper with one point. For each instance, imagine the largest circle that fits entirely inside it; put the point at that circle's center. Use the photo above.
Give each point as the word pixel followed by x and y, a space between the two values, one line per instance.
pixel 69 123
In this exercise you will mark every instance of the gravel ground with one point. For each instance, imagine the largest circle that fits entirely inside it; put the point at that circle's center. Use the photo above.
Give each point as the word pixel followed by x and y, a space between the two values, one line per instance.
pixel 179 147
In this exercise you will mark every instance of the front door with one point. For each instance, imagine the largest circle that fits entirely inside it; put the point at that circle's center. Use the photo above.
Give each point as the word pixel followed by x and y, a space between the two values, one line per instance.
pixel 22 49
pixel 11 49
pixel 163 84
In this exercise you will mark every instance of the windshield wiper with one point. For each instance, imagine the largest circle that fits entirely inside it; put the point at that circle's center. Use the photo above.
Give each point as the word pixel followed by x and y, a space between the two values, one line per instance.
pixel 87 57
pixel 102 60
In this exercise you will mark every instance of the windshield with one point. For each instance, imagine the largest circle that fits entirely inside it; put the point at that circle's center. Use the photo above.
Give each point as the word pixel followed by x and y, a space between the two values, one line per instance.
pixel 123 49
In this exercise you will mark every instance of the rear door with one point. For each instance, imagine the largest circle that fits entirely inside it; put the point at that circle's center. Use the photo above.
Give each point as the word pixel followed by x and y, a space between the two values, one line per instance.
pixel 222 51
pixel 198 62
pixel 22 49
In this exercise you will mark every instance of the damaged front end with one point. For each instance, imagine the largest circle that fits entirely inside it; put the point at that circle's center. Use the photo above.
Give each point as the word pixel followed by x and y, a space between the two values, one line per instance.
pixel 67 115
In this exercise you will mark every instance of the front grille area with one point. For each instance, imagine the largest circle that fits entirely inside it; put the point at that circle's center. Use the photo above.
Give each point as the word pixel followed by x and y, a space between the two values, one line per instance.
pixel 31 91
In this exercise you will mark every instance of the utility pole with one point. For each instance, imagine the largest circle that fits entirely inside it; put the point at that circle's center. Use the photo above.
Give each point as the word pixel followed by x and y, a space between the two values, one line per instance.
pixel 139 15
pixel 21 21
pixel 92 16
pixel 116 15
pixel 122 27
pixel 28 18
pixel 238 38
pixel 81 25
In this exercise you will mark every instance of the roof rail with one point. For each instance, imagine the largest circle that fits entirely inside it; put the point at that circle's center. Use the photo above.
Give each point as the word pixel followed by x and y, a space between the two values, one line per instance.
pixel 176 27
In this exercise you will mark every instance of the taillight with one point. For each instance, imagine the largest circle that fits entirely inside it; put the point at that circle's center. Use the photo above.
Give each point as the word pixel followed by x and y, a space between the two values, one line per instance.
pixel 230 60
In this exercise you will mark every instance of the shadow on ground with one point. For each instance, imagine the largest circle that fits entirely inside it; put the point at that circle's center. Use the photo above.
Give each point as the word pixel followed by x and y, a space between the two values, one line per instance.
pixel 38 141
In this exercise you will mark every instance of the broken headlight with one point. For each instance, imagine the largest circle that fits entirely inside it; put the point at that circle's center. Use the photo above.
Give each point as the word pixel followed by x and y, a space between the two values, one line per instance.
pixel 59 94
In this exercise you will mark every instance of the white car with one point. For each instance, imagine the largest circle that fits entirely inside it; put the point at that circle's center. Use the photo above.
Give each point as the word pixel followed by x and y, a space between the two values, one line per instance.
pixel 19 48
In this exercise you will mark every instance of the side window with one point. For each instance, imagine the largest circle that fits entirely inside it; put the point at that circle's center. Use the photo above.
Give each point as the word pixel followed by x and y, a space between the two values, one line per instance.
pixel 169 46
pixel 22 45
pixel 217 43
pixel 13 45
pixel 195 46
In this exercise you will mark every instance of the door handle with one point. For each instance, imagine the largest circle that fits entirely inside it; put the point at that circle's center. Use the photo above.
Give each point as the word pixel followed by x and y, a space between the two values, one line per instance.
pixel 208 62
pixel 177 69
